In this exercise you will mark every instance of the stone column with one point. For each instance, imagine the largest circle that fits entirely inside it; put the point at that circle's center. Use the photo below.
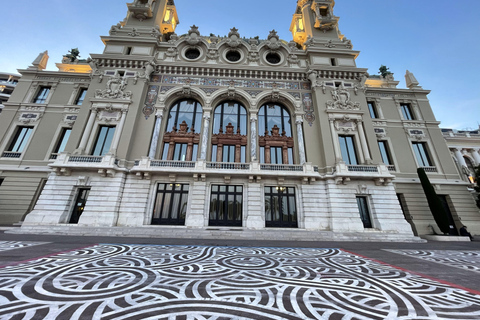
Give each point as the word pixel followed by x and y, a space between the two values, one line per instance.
pixel 206 129
pixel 459 156
pixel 363 141
pixel 476 156
pixel 253 137
pixel 336 144
pixel 156 134
pixel 301 141
pixel 118 133
pixel 87 131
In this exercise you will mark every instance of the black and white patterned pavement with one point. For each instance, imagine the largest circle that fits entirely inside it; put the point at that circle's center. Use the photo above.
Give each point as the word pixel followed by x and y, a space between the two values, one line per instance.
pixel 111 281
pixel 10 245
pixel 467 260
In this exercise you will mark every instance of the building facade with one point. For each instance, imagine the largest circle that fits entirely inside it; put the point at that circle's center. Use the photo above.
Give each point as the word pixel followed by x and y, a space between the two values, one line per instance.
pixel 203 131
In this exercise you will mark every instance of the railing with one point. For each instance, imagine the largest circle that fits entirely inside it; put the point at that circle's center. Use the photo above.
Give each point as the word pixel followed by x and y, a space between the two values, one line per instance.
pixel 174 164
pixel 86 159
pixel 53 156
pixel 281 167
pixel 228 165
pixel 10 154
pixel 355 168
pixel 429 169
pixel 315 168
pixel 391 168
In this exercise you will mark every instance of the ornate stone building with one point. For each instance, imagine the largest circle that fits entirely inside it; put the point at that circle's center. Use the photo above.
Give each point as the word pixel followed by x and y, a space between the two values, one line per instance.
pixel 200 131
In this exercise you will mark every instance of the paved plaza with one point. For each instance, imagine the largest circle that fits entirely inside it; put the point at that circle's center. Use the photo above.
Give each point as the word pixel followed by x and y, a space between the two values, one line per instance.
pixel 53 277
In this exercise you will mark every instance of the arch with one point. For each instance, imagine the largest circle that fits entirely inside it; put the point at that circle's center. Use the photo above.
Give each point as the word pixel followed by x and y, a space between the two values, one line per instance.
pixel 276 143
pixel 185 92
pixel 232 94
pixel 281 97
pixel 229 132
pixel 182 130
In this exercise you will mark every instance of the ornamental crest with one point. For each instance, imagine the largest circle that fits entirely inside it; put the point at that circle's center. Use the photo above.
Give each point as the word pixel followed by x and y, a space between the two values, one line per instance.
pixel 115 89
pixel 341 100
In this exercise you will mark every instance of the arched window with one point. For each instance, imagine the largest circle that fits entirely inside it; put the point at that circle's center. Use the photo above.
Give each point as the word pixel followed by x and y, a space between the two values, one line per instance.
pixel 182 134
pixel 229 139
pixel 276 145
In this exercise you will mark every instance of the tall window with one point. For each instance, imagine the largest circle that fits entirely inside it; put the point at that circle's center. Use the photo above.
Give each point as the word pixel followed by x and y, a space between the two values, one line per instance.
pixel 180 141
pixel 226 206
pixel 384 151
pixel 104 140
pixel 170 204
pixel 421 154
pixel 347 146
pixel 81 96
pixel 20 139
pixel 1 181
pixel 42 95
pixel 62 141
pixel 229 139
pixel 280 207
pixel 274 122
pixel 372 108
pixel 407 111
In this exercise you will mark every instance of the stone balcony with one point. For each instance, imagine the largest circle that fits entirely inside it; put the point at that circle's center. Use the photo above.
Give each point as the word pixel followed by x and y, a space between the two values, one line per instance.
pixel 145 168
pixel 106 165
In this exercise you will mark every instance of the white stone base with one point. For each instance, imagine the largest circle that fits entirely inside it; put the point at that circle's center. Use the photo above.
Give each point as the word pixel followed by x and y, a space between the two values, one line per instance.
pixel 433 237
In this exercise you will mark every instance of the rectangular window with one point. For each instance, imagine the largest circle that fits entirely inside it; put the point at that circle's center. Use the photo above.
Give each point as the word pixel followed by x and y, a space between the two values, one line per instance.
pixel 407 111
pixel 226 206
pixel 104 140
pixel 421 154
pixel 280 207
pixel 180 152
pixel 20 139
pixel 372 109
pixel 347 147
pixel 276 155
pixel 364 212
pixel 383 146
pixel 228 153
pixel 62 141
pixel 170 204
pixel 42 95
pixel 81 96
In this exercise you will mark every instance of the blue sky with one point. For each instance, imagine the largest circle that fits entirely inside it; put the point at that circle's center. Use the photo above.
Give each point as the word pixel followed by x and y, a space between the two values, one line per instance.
pixel 437 40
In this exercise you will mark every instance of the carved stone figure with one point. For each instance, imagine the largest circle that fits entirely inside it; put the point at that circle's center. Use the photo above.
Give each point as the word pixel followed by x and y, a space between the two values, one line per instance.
pixel 273 41
pixel 234 38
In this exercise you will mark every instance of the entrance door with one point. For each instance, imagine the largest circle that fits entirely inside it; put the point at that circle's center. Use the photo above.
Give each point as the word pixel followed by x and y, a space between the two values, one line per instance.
pixel 280 207
pixel 226 206
pixel 171 204
pixel 452 229
pixel 79 204
pixel 364 212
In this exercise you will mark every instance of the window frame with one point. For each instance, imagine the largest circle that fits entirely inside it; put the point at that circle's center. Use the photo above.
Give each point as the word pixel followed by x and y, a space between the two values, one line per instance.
pixel 25 140
pixel 366 217
pixel 418 157
pixel 373 110
pixel 348 148
pixel 237 192
pixel 99 132
pixel 388 153
pixel 407 111
pixel 82 93
pixel 41 97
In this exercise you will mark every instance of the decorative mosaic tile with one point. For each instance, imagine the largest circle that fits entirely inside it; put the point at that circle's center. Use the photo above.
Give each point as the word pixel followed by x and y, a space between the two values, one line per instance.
pixel 468 260
pixel 256 84
pixel 10 245
pixel 192 282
